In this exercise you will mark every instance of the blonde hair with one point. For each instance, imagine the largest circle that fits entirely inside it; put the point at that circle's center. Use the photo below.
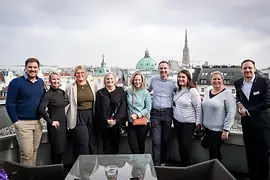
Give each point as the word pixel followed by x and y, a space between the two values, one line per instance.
pixel 53 73
pixel 80 67
pixel 110 73
pixel 132 80
pixel 217 72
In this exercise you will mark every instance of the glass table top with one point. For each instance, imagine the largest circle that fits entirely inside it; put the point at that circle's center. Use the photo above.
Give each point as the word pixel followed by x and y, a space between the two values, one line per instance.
pixel 129 166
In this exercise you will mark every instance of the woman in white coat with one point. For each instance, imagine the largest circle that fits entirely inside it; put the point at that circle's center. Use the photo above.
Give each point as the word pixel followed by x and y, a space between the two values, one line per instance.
pixel 80 114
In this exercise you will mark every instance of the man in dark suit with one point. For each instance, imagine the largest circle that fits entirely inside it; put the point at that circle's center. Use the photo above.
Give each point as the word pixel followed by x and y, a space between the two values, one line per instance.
pixel 253 100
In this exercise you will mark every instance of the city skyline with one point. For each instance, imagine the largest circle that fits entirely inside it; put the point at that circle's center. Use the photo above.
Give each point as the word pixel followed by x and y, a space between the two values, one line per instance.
pixel 68 33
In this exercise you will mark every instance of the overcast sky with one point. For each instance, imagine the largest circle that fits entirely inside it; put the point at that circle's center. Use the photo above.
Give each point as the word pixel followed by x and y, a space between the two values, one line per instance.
pixel 69 32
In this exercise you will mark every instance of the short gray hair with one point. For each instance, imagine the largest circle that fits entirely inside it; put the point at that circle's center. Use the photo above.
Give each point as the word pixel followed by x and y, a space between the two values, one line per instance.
pixel 217 72
pixel 110 73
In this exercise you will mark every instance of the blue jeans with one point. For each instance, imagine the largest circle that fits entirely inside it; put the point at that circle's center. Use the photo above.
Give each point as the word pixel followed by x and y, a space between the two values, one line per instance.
pixel 161 127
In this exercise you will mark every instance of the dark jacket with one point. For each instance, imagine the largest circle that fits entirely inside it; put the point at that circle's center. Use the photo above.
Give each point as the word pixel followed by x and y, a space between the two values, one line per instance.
pixel 110 104
pixel 258 104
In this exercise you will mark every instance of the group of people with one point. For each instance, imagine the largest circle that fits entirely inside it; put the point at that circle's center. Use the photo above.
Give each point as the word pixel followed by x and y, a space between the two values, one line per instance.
pixel 91 114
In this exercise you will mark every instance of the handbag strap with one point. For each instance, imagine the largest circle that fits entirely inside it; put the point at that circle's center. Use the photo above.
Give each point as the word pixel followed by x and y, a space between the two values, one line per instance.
pixel 180 95
pixel 132 101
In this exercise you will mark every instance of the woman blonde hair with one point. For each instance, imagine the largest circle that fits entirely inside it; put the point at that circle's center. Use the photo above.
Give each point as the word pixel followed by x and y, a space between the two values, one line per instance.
pixel 217 72
pixel 53 73
pixel 132 80
pixel 79 67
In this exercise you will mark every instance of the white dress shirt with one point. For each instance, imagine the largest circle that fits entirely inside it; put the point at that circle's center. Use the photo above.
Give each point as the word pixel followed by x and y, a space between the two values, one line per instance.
pixel 246 88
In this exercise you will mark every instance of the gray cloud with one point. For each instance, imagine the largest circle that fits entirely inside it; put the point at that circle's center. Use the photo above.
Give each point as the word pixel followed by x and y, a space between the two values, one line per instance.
pixel 68 32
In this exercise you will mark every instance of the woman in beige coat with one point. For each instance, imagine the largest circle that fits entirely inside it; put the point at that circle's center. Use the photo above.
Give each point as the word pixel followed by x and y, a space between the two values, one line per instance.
pixel 80 114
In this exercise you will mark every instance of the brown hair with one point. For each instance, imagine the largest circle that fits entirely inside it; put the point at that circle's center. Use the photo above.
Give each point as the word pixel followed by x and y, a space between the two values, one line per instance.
pixel 132 81
pixel 190 83
pixel 164 62
pixel 31 60
pixel 248 60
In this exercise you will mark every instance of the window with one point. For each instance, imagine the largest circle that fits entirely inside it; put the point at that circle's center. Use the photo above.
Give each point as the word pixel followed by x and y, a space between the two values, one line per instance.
pixel 202 89
pixel 226 81
pixel 98 81
pixel 233 91
pixel 203 81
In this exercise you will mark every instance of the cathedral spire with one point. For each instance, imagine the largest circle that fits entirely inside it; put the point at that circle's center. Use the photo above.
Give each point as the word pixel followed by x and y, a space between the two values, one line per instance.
pixel 103 61
pixel 186 42
pixel 186 60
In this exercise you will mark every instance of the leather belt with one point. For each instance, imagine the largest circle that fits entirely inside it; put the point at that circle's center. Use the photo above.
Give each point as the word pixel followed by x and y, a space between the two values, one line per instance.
pixel 161 110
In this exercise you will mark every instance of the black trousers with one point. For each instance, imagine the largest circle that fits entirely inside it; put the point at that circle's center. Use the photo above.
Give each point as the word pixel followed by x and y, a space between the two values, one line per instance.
pixel 257 151
pixel 56 158
pixel 83 139
pixel 161 128
pixel 111 138
pixel 184 133
pixel 215 145
pixel 136 137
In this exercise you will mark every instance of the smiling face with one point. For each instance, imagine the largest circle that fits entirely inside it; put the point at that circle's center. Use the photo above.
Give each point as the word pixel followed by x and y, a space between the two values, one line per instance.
pixel 32 69
pixel 248 70
pixel 80 75
pixel 138 81
pixel 217 81
pixel 109 80
pixel 55 81
pixel 182 80
pixel 163 70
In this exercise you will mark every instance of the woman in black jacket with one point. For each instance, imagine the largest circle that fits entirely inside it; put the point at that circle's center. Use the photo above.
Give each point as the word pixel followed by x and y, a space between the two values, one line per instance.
pixel 110 113
pixel 54 100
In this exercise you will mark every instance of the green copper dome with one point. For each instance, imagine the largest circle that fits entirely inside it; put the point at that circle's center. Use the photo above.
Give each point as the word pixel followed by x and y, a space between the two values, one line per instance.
pixel 101 71
pixel 147 63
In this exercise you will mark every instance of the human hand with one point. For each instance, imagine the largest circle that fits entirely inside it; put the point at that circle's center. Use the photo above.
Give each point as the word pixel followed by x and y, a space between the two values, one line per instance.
pixel 133 116
pixel 243 111
pixel 14 124
pixel 111 122
pixel 199 127
pixel 56 124
pixel 225 135
pixel 240 106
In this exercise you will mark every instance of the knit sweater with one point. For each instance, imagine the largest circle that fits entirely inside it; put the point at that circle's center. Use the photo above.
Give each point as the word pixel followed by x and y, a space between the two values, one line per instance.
pixel 187 107
pixel 219 111
pixel 23 99
pixel 141 103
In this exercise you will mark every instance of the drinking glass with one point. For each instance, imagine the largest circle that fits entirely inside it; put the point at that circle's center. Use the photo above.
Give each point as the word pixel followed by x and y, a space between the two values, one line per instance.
pixel 111 172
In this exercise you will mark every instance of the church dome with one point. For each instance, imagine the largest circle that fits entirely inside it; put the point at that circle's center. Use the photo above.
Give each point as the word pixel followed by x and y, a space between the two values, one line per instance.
pixel 102 70
pixel 147 63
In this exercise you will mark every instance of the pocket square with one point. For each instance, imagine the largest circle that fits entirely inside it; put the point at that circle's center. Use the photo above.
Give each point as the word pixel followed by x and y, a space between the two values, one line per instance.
pixel 256 93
